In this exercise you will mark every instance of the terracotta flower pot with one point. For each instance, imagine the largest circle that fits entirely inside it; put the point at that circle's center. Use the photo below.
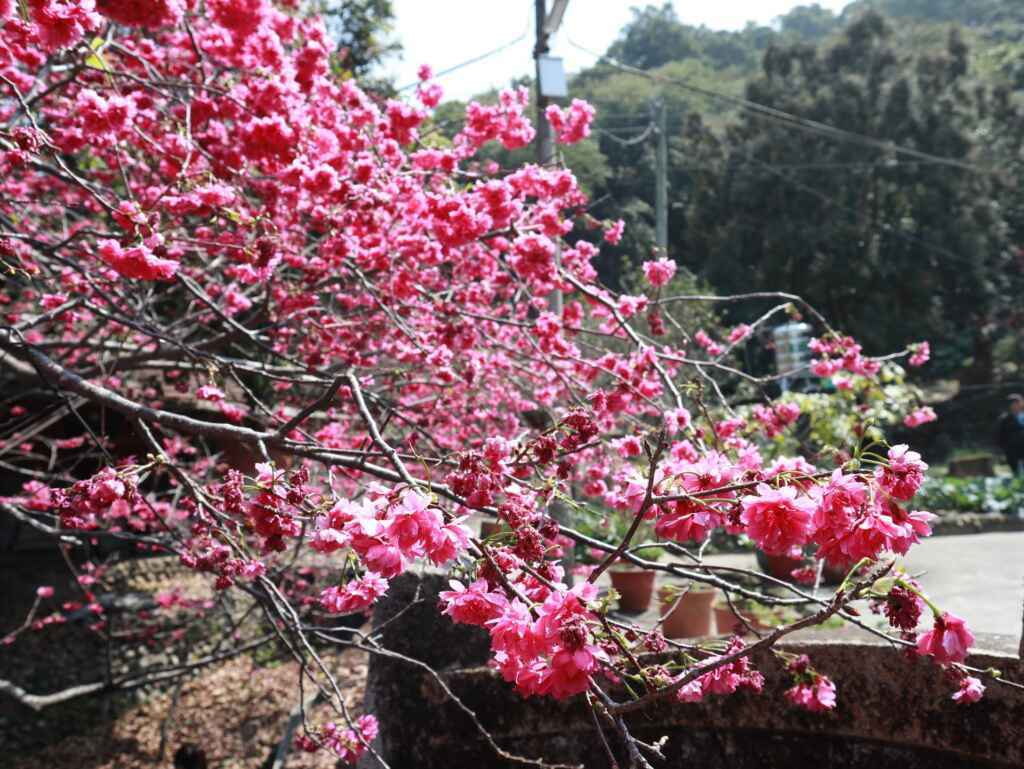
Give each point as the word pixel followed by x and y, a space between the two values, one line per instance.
pixel 779 566
pixel 833 575
pixel 728 621
pixel 489 528
pixel 691 617
pixel 635 588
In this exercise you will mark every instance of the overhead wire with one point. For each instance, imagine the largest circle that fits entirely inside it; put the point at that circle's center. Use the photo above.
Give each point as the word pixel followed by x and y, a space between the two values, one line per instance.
pixel 610 128
pixel 475 59
pixel 606 124
pixel 772 113
pixel 920 157
pixel 635 140
pixel 879 227
pixel 777 170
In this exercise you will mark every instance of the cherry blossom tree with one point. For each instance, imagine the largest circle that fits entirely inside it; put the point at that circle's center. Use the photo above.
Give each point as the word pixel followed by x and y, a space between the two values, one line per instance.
pixel 287 320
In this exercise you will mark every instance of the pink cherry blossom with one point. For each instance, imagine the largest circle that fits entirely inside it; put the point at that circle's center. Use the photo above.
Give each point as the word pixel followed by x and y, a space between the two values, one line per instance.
pixel 347 744
pixel 137 262
pixel 629 446
pixel 739 333
pixel 613 234
pixel 920 354
pixel 904 473
pixel 677 420
pixel 659 272
pixel 971 690
pixel 817 697
pixel 355 595
pixel 713 348
pixel 59 23
pixel 572 125
pixel 777 519
pixel 920 417
pixel 473 605
pixel 948 641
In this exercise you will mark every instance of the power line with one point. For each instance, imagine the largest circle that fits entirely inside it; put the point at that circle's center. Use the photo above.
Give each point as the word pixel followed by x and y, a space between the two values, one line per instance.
pixel 602 127
pixel 777 170
pixel 609 128
pixel 628 142
pixel 475 59
pixel 781 116
pixel 879 227
pixel 761 110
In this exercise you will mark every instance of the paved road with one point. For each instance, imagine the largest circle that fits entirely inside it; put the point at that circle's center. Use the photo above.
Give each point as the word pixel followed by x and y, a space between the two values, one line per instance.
pixel 978 576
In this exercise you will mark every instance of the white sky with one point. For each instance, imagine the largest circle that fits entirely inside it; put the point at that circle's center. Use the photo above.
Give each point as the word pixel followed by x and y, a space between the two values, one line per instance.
pixel 444 33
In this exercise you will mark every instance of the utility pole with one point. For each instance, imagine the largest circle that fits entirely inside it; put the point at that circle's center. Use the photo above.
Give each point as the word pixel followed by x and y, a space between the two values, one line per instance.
pixel 661 182
pixel 545 138
pixel 545 154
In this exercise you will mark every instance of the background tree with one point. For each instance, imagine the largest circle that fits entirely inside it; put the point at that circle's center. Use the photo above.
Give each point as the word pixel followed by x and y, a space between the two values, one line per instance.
pixel 809 22
pixel 839 221
pixel 746 191
pixel 271 327
pixel 362 31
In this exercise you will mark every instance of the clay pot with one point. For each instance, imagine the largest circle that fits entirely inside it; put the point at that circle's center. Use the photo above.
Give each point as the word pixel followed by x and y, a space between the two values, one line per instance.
pixel 691 617
pixel 779 566
pixel 635 588
pixel 832 575
pixel 728 621
pixel 490 528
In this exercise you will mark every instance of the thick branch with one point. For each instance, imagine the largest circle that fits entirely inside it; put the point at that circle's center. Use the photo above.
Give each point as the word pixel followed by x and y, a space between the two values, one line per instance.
pixel 68 380
pixel 39 701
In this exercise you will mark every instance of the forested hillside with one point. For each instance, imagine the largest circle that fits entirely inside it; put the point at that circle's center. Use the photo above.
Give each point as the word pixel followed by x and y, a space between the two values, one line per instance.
pixel 916 197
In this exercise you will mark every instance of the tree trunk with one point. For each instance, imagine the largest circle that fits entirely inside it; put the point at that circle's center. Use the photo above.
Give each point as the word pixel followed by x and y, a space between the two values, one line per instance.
pixel 982 368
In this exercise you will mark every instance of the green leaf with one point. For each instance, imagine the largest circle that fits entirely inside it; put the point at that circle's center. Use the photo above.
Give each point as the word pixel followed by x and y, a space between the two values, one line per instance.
pixel 96 59
pixel 885 585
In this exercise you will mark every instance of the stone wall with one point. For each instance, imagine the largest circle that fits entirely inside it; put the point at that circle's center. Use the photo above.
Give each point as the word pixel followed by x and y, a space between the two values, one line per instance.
pixel 892 711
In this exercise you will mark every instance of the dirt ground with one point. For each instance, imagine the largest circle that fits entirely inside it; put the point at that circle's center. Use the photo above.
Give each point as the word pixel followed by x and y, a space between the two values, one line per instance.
pixel 237 712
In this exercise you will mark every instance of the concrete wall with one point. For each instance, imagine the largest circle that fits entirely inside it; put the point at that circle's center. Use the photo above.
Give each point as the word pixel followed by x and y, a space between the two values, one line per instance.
pixel 892 711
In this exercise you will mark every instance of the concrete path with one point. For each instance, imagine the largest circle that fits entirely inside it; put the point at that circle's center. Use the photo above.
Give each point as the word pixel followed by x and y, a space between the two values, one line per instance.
pixel 980 577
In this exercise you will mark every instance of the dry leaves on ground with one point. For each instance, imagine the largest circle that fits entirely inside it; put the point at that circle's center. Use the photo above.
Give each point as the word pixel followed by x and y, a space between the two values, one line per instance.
pixel 237 712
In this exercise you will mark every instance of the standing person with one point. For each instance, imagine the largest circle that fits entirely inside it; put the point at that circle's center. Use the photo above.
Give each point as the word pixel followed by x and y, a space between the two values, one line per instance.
pixel 1011 433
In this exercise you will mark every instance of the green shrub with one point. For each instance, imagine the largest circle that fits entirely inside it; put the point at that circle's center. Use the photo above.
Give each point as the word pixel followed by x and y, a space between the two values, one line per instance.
pixel 972 495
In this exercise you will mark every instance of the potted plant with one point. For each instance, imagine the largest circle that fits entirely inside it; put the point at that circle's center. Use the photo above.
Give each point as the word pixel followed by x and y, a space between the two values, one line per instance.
pixel 739 618
pixel 781 566
pixel 635 585
pixel 686 610
pixel 489 527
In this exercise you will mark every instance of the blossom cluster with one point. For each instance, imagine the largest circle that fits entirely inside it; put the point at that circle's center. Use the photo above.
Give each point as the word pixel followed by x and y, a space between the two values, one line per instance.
pixel 811 690
pixel 782 507
pixel 387 534
pixel 722 679
pixel 332 330
pixel 542 649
